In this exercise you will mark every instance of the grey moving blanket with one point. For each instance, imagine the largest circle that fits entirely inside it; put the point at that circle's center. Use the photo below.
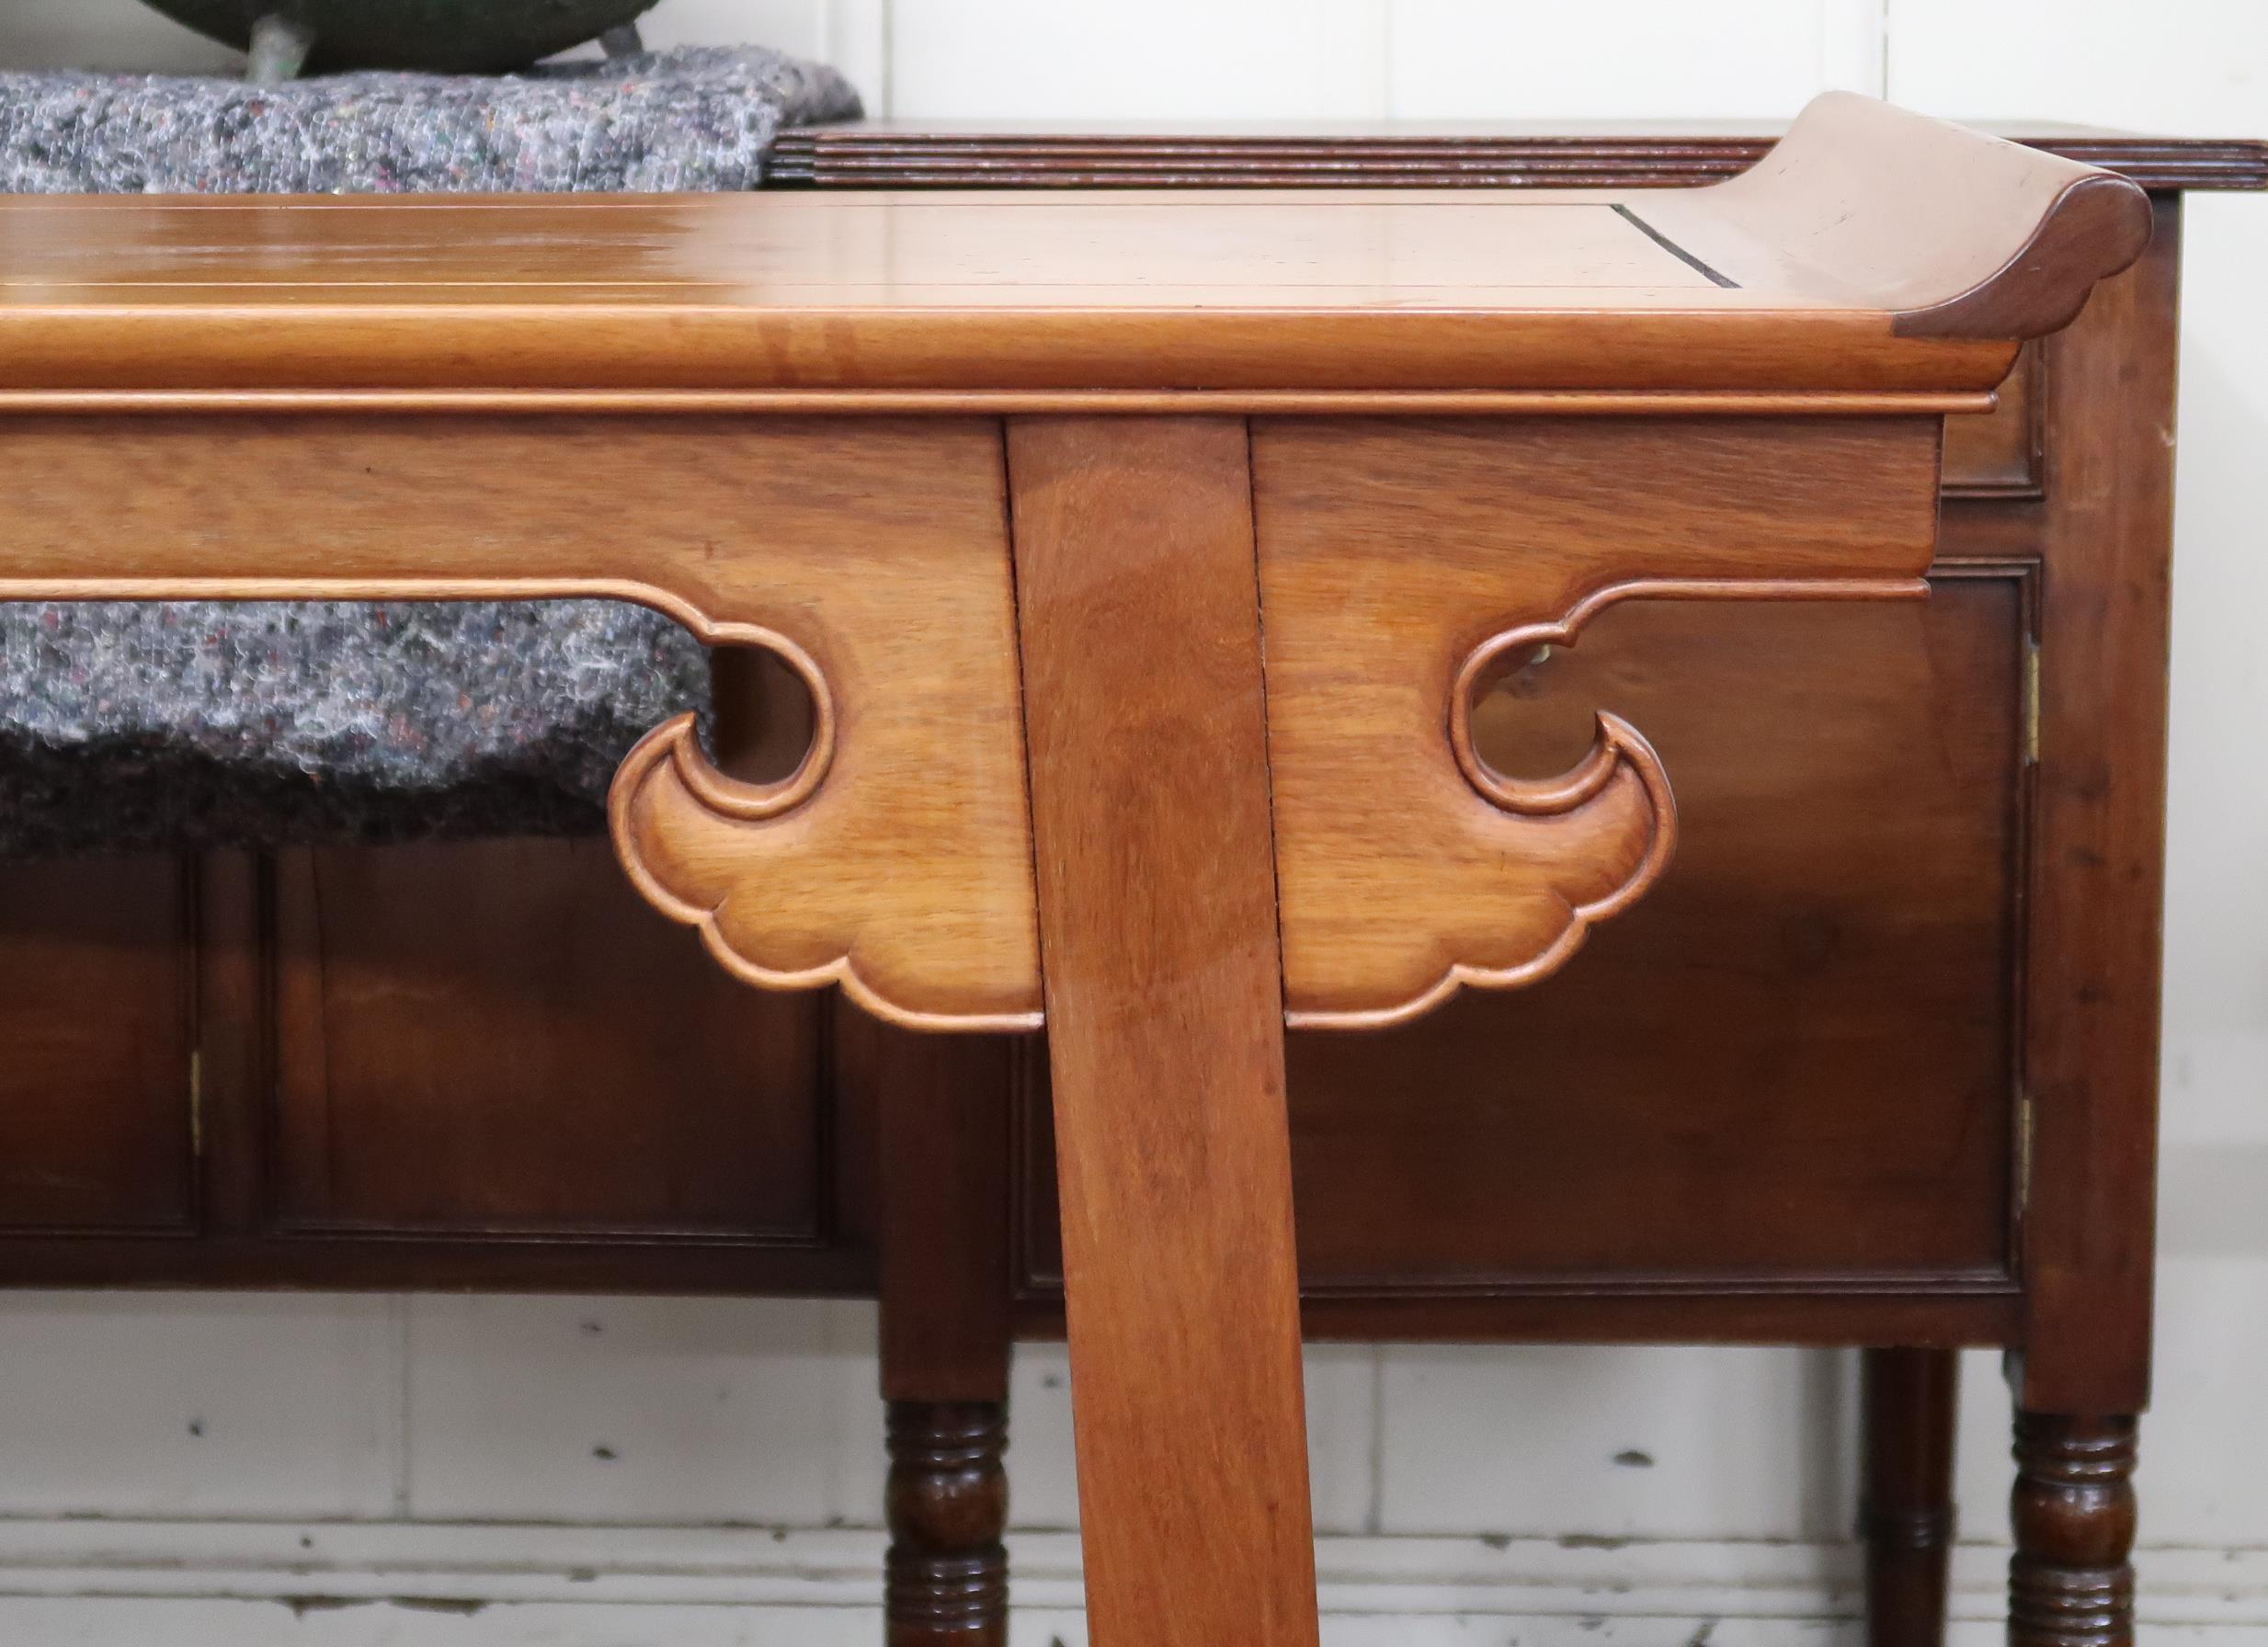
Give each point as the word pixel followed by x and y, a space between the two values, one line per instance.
pixel 197 724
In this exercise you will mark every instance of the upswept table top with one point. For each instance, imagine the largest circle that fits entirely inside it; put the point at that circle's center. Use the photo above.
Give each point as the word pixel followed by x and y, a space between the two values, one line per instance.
pixel 1873 251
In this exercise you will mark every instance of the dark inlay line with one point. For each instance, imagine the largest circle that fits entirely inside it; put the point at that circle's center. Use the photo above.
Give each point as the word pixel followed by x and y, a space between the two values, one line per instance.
pixel 1671 246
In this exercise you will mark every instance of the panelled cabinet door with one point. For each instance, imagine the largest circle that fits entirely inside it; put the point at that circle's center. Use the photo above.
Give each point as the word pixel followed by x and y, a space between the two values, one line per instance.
pixel 1793 1059
pixel 474 1041
pixel 500 1037
pixel 96 1036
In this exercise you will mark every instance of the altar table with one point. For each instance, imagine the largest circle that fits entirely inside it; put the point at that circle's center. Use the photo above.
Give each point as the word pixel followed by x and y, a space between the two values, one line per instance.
pixel 1145 567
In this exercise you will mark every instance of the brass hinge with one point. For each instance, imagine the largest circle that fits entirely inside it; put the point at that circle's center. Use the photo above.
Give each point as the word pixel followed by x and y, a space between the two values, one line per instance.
pixel 2023 1150
pixel 2031 703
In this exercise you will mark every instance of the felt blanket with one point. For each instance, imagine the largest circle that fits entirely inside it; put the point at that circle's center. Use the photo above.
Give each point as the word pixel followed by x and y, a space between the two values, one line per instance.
pixel 203 723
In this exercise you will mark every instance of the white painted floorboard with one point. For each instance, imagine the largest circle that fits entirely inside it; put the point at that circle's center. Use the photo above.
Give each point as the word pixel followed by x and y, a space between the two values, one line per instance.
pixel 425 1584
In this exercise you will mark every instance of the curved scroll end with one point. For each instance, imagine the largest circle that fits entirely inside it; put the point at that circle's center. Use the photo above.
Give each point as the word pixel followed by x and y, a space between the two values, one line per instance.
pixel 1631 818
pixel 1622 747
pixel 1958 234
pixel 2094 229
pixel 749 866
pixel 1553 858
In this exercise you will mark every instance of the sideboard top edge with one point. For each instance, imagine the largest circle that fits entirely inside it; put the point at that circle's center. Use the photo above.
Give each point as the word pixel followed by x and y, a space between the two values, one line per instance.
pixel 1038 154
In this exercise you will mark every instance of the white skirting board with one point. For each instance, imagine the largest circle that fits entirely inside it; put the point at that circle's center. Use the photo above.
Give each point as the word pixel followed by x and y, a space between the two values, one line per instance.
pixel 96 1583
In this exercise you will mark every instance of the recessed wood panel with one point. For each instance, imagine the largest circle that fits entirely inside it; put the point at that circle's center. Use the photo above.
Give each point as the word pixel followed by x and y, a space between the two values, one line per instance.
pixel 500 1036
pixel 95 1025
pixel 1997 454
pixel 1793 1059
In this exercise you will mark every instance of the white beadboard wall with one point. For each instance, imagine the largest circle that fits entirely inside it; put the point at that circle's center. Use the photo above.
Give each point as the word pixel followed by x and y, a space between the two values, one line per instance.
pixel 502 1473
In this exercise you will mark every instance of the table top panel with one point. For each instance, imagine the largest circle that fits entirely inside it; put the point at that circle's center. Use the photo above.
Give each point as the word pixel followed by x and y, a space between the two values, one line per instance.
pixel 1361 250
pixel 1873 252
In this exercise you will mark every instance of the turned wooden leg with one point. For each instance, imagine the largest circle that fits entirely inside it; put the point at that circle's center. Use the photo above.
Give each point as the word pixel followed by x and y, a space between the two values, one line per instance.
pixel 942 1108
pixel 2069 1583
pixel 947 1577
pixel 1906 1511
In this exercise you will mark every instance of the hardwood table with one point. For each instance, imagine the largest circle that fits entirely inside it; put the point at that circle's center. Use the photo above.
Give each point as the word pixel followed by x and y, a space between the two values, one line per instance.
pixel 1008 491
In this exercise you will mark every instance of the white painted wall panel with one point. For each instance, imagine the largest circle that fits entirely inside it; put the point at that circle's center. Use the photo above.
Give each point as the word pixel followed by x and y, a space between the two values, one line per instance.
pixel 122 35
pixel 2197 66
pixel 2173 65
pixel 1617 1442
pixel 125 34
pixel 850 34
pixel 1166 60
pixel 1491 60
pixel 547 1409
pixel 797 26
pixel 182 1404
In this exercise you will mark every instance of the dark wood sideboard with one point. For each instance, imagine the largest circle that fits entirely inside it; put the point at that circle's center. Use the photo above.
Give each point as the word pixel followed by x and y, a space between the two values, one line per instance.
pixel 1874 1065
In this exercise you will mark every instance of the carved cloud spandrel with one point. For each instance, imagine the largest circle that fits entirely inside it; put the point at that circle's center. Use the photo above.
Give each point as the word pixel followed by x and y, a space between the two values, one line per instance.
pixel 1401 565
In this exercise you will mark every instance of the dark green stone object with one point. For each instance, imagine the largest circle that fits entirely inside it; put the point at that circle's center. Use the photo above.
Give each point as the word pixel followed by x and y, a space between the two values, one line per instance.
pixel 442 36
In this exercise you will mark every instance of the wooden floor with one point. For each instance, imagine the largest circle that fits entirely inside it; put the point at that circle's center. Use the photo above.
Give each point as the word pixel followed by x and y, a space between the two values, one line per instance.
pixel 815 1589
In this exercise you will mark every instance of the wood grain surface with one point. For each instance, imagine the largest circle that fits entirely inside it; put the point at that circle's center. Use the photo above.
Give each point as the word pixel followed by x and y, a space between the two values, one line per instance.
pixel 884 583
pixel 1874 269
pixel 1404 564
pixel 480 1035
pixel 971 402
pixel 2092 999
pixel 1965 236
pixel 1873 912
pixel 1786 1073
pixel 1805 273
pixel 97 1009
pixel 1139 613
pixel 1067 153
pixel 940 1141
pixel 1910 1400
pixel 896 863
